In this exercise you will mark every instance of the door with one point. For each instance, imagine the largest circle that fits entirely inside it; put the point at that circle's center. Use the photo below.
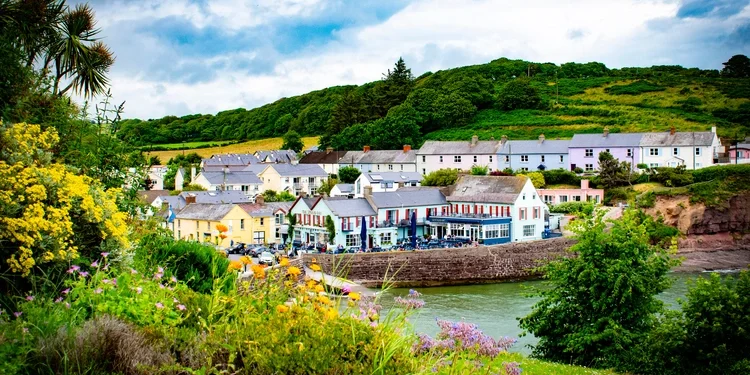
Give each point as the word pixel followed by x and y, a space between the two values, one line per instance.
pixel 572 167
pixel 474 233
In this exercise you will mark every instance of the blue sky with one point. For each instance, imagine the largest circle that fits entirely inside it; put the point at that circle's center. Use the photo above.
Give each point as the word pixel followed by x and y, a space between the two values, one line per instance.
pixel 176 57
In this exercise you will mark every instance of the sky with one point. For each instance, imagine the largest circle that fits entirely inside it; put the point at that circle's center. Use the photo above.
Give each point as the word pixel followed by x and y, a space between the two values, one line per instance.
pixel 179 57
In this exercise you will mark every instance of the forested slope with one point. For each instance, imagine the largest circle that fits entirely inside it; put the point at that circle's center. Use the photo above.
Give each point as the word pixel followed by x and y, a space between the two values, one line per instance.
pixel 503 97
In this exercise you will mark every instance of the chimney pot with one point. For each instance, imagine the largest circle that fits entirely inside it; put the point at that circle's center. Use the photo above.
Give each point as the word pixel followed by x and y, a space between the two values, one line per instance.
pixel 329 150
pixel 367 191
pixel 189 199
pixel 503 139
pixel 407 148
pixel 259 199
pixel 366 149
pixel 541 138
pixel 606 131
pixel 671 130
pixel 474 140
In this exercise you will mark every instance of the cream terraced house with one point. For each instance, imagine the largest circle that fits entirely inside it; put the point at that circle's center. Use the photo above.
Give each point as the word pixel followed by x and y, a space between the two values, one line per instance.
pixel 436 155
pixel 367 160
pixel 293 178
pixel 694 150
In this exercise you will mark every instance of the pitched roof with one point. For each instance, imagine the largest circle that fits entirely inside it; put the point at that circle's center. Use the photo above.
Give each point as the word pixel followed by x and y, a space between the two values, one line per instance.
pixel 379 157
pixel 276 156
pixel 322 157
pixel 393 176
pixel 255 209
pixel 534 147
pixel 230 159
pixel 408 197
pixel 345 188
pixel 228 168
pixel 174 201
pixel 255 168
pixel 149 195
pixel 343 207
pixel 231 178
pixel 458 148
pixel 284 206
pixel 217 197
pixel 488 189
pixel 678 139
pixel 612 140
pixel 294 170
pixel 203 211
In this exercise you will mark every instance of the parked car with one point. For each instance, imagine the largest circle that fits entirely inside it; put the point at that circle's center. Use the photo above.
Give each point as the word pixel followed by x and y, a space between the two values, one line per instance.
pixel 255 250
pixel 353 250
pixel 266 258
pixel 237 248
pixel 376 249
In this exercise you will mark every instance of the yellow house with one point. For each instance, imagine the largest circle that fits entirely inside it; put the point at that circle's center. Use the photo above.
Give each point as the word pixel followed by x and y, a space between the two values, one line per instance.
pixel 294 178
pixel 262 221
pixel 201 222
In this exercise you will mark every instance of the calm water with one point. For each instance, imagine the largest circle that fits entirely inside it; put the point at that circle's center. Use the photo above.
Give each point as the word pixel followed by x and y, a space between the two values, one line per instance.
pixel 495 307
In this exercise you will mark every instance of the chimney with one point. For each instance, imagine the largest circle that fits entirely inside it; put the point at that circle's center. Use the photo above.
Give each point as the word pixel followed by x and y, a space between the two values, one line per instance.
pixel 329 150
pixel 189 199
pixel 584 184
pixel 606 131
pixel 541 138
pixel 192 174
pixel 367 191
pixel 503 139
pixel 474 140
pixel 259 199
pixel 671 130
pixel 713 129
pixel 407 148
pixel 366 149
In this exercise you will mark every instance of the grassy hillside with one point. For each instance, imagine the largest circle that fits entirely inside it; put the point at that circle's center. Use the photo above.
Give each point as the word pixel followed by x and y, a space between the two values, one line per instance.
pixel 455 104
pixel 244 147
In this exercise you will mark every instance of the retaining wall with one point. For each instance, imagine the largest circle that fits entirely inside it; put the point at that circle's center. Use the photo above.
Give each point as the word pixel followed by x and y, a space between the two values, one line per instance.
pixel 473 265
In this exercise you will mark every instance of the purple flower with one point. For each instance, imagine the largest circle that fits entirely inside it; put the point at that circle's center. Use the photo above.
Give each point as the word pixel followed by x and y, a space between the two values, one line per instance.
pixel 25 330
pixel 105 254
pixel 73 269
pixel 462 336
pixel 175 300
pixel 159 305
pixel 138 290
pixel 512 368
pixel 67 305
pixel 181 307
pixel 174 279
pixel 29 298
pixel 95 264
pixel 158 275
pixel 58 299
pixel 160 270
pixel 106 267
pixel 409 303
pixel 161 286
pixel 346 289
pixel 414 294
pixel 98 290
pixel 133 271
pixel 66 291
pixel 83 273
pixel 107 281
pixel 18 314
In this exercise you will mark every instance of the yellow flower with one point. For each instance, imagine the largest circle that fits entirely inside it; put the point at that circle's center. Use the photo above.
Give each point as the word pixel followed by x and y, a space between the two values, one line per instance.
pixel 319 288
pixel 282 308
pixel 311 284
pixel 324 300
pixel 246 260
pixel 235 265
pixel 294 271
pixel 284 262
pixel 258 271
pixel 354 296
pixel 315 267
pixel 331 313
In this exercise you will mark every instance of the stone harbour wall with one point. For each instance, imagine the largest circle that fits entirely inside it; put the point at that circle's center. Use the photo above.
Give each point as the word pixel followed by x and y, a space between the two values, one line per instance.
pixel 472 265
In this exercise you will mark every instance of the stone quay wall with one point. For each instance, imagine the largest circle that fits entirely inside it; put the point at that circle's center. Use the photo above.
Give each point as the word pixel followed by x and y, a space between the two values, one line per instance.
pixel 470 265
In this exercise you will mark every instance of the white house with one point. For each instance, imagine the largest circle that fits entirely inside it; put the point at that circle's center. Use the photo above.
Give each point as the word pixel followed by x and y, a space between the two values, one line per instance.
pixel 347 216
pixel 229 160
pixel 367 160
pixel 156 175
pixel 492 209
pixel 294 178
pixel 694 150
pixel 385 181
pixel 246 182
pixel 436 155
pixel 328 159
pixel 395 210
pixel 342 190
pixel 542 154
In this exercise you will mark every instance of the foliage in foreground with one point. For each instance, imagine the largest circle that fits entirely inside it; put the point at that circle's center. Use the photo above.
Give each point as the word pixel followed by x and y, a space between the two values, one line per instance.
pixel 441 177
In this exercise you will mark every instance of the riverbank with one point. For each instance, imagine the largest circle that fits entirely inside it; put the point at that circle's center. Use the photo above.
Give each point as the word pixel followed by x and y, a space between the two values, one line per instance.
pixel 711 252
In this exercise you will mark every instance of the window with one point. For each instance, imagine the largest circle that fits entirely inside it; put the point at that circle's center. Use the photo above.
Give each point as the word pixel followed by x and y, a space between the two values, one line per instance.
pixel 456 230
pixel 352 240
pixel 589 152
pixel 390 167
pixel 653 165
pixel 475 158
pixel 504 230
pixel 536 213
pixel 524 158
pixel 245 188
pixel 524 196
pixel 577 198
pixel 563 198
pixel 525 169
pixel 533 196
pixel 490 158
pixel 653 151
pixel 607 150
pixel 507 158
pixel 630 152
pixel 675 151
pixel 279 218
pixel 242 224
pixel 548 198
pixel 492 231
pixel 697 151
pixel 424 158
pixel 179 223
pixel 542 158
pixel 424 171
pixel 561 158
pixel 386 184
pixel 528 230
pixel 378 166
pixel 259 237
pixel 457 159
pixel 402 167
pixel 589 167
pixel 261 221
pixel 286 180
pixel 441 158
pixel 385 238
pixel 523 214
pixel 208 226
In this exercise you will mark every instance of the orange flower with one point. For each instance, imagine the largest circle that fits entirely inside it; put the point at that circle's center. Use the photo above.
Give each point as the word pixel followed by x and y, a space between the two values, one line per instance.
pixel 246 260
pixel 235 265
pixel 258 271
pixel 282 308
pixel 221 228
pixel 284 262
pixel 294 271
pixel 222 236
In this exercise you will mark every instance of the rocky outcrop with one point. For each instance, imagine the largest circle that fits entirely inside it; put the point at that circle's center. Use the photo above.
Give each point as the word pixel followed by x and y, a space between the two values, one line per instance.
pixel 696 218
pixel 711 252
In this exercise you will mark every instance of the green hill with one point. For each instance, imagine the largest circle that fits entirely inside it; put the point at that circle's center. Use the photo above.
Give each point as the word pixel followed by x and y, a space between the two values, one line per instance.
pixel 490 100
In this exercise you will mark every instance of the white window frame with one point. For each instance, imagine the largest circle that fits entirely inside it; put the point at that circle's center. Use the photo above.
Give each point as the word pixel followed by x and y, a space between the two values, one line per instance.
pixel 476 158
pixel 542 158
pixel 529 230
pixel 563 198
pixel 630 152
pixel 507 158
pixel 562 158
pixel 675 151
pixel 441 158
pixel 259 236
pixel 504 230
pixel 353 240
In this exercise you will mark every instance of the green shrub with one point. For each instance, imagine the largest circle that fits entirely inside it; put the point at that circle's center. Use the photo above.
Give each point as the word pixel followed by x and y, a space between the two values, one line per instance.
pixel 585 208
pixel 672 177
pixel 635 88
pixel 478 170
pixel 721 172
pixel 646 200
pixel 194 263
pixel 578 170
pixel 561 176
pixel 441 177
pixel 618 194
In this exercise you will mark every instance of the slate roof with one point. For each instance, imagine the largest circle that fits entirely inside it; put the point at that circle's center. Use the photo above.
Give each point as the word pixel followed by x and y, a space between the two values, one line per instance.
pixel 285 206
pixel 487 189
pixel 393 176
pixel 345 188
pixel 276 156
pixel 174 201
pixel 255 168
pixel 229 168
pixel 344 207
pixel 232 178
pixel 534 147
pixel 458 148
pixel 204 211
pixel 230 159
pixel 216 197
pixel 295 170
pixel 612 140
pixel 408 197
pixel 322 157
pixel 149 196
pixel 677 139
pixel 254 209
pixel 379 157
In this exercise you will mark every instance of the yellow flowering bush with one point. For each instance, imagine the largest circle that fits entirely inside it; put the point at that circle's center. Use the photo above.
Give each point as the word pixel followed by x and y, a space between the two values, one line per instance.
pixel 46 211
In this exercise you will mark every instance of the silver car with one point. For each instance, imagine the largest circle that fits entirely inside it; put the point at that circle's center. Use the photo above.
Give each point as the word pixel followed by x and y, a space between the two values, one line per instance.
pixel 267 258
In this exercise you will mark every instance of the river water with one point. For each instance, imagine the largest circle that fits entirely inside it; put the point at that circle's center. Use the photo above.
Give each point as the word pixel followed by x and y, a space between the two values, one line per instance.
pixel 495 307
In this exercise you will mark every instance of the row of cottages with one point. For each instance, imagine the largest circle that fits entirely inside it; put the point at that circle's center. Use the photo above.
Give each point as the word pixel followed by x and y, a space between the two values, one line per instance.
pixel 488 209
pixel 369 160
pixel 253 180
pixel 436 155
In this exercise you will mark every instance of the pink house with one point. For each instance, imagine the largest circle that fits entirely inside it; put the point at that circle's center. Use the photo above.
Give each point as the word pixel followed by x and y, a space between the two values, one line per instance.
pixel 584 194
pixel 740 153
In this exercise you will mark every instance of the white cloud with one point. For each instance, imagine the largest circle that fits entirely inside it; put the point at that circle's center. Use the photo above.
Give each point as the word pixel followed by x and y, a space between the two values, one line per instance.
pixel 431 35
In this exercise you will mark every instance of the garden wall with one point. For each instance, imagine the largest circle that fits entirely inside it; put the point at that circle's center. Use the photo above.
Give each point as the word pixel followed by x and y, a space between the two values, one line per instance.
pixel 474 265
